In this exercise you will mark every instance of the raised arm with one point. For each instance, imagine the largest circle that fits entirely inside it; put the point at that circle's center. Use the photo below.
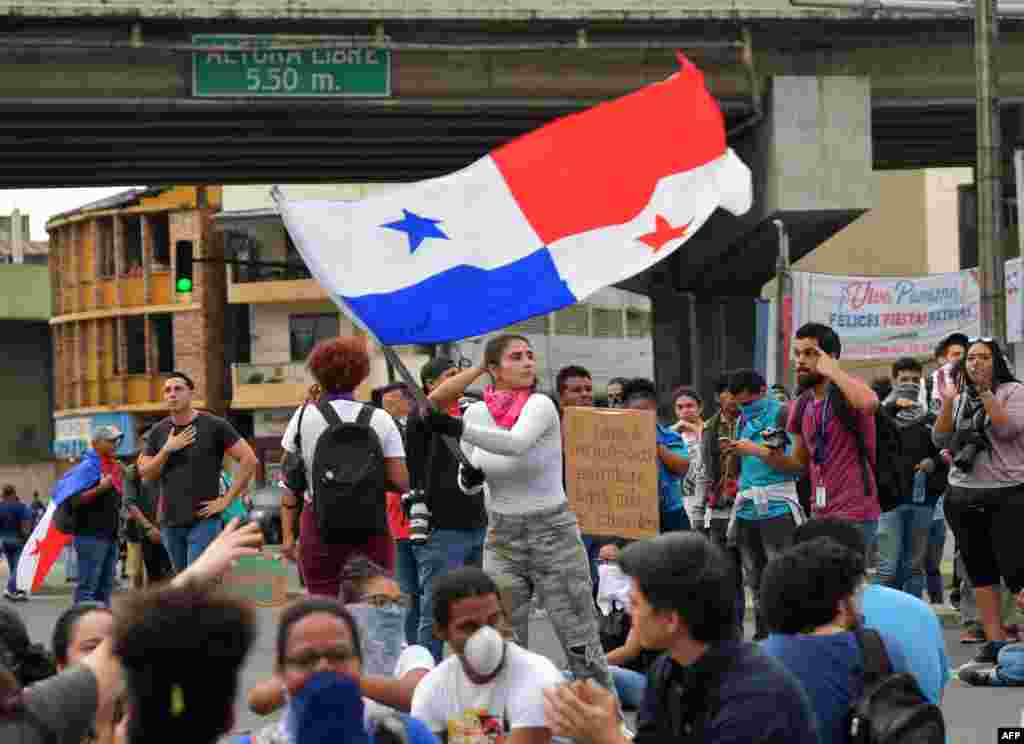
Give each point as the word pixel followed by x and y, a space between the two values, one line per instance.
pixel 538 416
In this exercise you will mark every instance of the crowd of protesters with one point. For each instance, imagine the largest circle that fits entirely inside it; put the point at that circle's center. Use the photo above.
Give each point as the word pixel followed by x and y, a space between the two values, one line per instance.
pixel 435 522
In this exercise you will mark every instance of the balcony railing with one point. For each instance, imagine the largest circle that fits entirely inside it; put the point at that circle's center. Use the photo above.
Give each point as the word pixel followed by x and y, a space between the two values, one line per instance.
pixel 258 273
pixel 269 385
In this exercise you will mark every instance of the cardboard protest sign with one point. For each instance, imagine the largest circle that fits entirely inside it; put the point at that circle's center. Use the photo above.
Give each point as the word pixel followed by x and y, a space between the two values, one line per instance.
pixel 259 579
pixel 611 471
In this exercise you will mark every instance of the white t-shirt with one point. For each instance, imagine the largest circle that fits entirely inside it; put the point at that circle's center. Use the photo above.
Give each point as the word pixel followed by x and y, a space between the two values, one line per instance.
pixel 447 702
pixel 612 586
pixel 523 465
pixel 314 424
pixel 411 659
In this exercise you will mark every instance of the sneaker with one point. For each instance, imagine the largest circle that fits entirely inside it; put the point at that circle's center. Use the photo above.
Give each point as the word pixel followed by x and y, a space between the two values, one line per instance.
pixel 989 652
pixel 15 596
pixel 22 595
pixel 986 677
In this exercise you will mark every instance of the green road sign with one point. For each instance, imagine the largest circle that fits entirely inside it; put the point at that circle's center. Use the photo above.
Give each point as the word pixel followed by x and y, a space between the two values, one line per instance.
pixel 263 66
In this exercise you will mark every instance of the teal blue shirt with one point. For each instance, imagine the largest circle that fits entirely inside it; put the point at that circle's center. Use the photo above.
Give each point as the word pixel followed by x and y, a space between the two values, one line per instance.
pixel 670 492
pixel 755 472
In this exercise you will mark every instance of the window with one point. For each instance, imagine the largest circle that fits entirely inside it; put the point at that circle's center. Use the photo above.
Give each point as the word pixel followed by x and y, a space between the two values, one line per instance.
pixel 638 323
pixel 607 323
pixel 163 336
pixel 132 239
pixel 572 321
pixel 306 330
pixel 296 268
pixel 105 233
pixel 115 344
pixel 135 337
pixel 160 227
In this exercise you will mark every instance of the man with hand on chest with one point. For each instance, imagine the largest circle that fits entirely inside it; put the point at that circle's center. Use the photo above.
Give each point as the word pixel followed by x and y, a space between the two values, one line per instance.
pixel 185 452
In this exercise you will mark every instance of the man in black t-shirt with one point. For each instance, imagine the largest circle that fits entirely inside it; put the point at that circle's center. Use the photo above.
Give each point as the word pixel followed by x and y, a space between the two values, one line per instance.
pixel 185 453
pixel 458 522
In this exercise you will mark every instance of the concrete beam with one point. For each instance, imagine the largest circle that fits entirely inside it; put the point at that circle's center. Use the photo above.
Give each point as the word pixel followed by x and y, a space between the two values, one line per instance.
pixel 811 159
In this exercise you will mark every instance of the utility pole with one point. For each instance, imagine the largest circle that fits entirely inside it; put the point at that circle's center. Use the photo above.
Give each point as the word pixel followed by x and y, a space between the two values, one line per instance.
pixel 988 176
pixel 781 282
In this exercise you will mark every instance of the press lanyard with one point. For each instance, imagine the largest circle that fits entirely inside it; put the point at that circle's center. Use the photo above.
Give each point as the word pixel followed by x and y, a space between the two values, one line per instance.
pixel 821 430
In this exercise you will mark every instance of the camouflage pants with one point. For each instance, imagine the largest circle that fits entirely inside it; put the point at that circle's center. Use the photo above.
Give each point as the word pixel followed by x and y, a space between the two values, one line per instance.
pixel 542 553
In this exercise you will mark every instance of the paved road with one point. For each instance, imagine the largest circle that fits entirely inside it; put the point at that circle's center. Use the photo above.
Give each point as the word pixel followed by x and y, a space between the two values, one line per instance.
pixel 972 714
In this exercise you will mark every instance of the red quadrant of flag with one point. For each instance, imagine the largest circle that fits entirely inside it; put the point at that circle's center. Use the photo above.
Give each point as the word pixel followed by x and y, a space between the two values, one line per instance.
pixel 600 167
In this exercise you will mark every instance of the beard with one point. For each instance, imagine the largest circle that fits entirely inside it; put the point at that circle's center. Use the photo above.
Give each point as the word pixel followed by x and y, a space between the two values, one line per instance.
pixel 808 380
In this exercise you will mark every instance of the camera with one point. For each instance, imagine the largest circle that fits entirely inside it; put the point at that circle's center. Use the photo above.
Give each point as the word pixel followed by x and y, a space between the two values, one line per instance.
pixel 414 503
pixel 971 444
pixel 775 439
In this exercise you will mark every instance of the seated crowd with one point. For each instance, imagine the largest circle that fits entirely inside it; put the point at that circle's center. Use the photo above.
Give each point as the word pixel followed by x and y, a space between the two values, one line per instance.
pixel 165 662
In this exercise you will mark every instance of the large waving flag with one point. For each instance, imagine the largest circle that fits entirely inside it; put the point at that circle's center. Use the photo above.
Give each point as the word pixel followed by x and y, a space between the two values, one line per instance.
pixel 543 222
pixel 46 541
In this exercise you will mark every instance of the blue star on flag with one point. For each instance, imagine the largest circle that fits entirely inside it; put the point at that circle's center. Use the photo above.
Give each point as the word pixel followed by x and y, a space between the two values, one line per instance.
pixel 417 228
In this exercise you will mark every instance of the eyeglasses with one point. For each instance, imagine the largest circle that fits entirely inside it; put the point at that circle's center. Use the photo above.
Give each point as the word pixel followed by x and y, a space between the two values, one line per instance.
pixel 308 661
pixel 381 601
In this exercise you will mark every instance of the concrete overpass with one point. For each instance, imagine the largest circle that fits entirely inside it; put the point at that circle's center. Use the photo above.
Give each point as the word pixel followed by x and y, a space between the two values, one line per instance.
pixel 103 92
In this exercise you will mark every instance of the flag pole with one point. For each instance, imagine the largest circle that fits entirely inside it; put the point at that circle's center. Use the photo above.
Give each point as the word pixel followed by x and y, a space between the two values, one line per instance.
pixel 389 353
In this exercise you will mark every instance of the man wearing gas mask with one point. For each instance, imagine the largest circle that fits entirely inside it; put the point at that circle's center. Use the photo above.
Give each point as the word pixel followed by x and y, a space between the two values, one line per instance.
pixel 489 690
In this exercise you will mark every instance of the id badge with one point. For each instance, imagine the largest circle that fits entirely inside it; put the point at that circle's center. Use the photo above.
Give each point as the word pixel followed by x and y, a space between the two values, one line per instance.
pixel 820 497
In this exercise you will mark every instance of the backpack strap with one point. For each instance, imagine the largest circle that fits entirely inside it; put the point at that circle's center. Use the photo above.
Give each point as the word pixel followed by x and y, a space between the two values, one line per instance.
pixel 330 415
pixel 846 417
pixel 877 665
pixel 298 430
pixel 364 417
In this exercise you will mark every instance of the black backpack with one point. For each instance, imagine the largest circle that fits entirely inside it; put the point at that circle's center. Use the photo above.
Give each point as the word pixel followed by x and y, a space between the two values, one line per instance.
pixel 888 446
pixel 892 710
pixel 348 478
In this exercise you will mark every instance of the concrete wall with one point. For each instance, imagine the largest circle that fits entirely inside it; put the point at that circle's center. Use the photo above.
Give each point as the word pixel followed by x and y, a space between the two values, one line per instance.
pixel 30 478
pixel 912 230
pixel 270 329
pixel 603 10
pixel 26 397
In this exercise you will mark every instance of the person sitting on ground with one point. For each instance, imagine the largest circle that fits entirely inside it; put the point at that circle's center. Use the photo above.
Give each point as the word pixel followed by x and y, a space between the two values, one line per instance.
pixel 490 689
pixel 708 687
pixel 630 661
pixel 370 585
pixel 80 629
pixel 894 613
pixel 319 635
pixel 62 707
pixel 811 604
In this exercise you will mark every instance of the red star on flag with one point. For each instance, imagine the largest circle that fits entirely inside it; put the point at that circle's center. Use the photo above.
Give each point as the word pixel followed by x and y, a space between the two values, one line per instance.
pixel 663 233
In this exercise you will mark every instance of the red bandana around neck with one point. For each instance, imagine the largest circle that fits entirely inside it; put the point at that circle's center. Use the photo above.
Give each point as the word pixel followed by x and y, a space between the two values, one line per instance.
pixel 506 405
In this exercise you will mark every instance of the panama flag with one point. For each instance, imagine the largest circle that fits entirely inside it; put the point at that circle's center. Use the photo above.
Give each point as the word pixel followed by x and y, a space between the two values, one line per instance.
pixel 46 541
pixel 541 223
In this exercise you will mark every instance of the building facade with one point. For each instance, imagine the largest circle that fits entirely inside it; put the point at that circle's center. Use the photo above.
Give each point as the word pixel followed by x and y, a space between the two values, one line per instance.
pixel 26 383
pixel 138 290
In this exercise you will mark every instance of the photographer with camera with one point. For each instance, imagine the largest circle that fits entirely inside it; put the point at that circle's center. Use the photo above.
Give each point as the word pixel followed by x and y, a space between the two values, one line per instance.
pixel 767 506
pixel 981 422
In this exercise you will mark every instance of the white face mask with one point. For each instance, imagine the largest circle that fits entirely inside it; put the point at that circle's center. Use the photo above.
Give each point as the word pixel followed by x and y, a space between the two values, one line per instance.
pixel 485 652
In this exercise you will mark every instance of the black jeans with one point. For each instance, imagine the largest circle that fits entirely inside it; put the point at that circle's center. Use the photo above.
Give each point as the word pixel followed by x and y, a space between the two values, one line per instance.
pixel 158 563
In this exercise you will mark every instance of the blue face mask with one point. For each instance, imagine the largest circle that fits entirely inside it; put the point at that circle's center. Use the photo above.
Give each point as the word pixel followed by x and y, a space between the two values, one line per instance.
pixel 327 708
pixel 755 408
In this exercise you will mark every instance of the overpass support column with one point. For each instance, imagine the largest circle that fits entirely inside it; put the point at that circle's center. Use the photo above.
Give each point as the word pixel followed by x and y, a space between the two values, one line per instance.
pixel 812 167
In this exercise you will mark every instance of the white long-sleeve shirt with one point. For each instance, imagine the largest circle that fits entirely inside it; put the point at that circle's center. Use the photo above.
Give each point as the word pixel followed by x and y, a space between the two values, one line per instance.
pixel 523 465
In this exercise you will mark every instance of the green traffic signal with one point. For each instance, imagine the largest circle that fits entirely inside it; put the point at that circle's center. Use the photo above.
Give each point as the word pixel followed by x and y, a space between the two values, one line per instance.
pixel 184 284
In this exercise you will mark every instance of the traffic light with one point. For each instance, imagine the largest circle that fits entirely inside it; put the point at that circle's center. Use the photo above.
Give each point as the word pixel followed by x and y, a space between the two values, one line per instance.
pixel 183 267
